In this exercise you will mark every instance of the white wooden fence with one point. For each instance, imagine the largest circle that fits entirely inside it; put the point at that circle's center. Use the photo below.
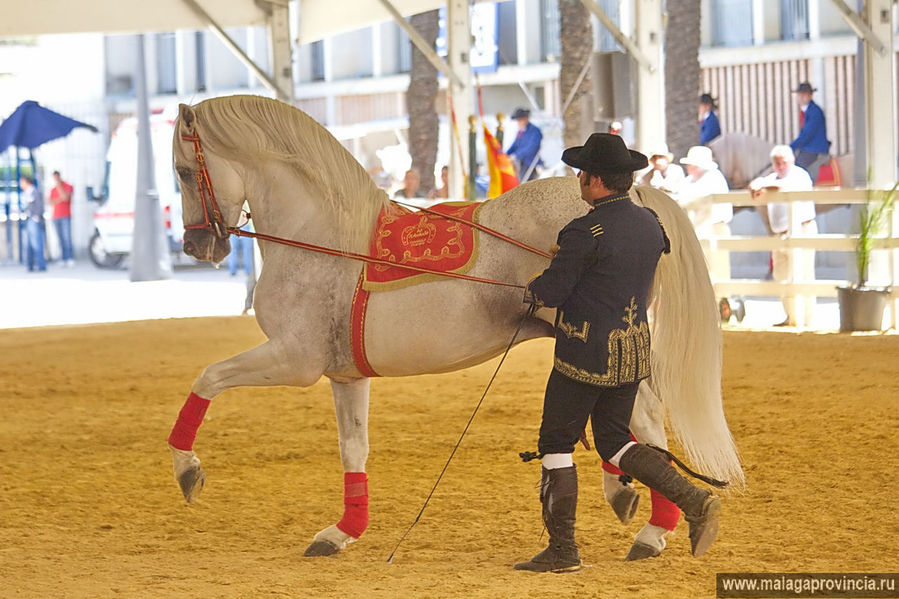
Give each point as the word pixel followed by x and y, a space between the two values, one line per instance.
pixel 803 285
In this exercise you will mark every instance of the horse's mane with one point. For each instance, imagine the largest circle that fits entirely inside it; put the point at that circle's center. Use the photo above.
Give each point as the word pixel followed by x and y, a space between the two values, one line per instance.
pixel 241 127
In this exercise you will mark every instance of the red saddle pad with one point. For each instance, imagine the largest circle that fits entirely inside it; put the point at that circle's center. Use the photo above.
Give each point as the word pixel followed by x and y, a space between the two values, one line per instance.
pixel 421 239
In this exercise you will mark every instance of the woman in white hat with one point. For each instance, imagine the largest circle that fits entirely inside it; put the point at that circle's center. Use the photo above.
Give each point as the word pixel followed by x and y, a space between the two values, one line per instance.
pixel 704 178
pixel 664 174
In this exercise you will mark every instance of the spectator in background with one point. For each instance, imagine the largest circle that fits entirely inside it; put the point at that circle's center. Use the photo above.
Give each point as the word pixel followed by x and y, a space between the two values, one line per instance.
pixel 663 174
pixel 33 206
pixel 526 147
pixel 709 127
pixel 811 147
pixel 789 176
pixel 615 127
pixel 411 185
pixel 704 178
pixel 61 200
pixel 443 191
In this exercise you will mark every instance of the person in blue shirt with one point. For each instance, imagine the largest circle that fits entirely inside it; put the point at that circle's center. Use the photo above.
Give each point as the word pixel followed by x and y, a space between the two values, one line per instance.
pixel 526 147
pixel 811 146
pixel 709 127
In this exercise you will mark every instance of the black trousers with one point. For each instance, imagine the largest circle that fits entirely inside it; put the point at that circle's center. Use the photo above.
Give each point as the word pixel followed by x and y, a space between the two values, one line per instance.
pixel 568 404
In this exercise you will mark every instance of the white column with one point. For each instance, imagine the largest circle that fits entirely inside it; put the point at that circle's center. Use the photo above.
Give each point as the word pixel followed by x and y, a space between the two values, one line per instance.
pixel 185 62
pixel 880 101
pixel 281 50
pixel 758 21
pixel 328 68
pixel 376 51
pixel 650 81
pixel 458 33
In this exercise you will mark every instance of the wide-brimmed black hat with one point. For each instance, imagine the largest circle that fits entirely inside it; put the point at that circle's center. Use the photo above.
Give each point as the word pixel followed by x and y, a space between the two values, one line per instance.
pixel 707 99
pixel 604 153
pixel 805 86
pixel 521 113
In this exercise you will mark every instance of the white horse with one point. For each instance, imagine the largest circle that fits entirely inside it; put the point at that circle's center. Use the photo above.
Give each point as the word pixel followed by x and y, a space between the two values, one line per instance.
pixel 301 184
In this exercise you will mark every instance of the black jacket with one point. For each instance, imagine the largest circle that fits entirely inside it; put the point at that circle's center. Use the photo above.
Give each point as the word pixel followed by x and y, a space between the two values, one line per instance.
pixel 599 280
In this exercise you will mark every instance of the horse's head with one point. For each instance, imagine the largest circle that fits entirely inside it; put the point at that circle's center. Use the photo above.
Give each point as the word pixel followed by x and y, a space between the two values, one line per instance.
pixel 212 190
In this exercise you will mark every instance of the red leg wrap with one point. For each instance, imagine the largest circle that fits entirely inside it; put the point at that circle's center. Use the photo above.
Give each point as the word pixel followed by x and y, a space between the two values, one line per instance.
pixel 355 502
pixel 611 469
pixel 664 513
pixel 189 420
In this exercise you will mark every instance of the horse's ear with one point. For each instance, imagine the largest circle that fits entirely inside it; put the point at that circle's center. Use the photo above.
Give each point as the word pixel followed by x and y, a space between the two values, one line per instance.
pixel 187 119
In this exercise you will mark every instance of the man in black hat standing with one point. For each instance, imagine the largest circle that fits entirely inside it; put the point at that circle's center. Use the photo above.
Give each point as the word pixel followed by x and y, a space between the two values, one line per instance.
pixel 709 126
pixel 526 147
pixel 811 147
pixel 599 280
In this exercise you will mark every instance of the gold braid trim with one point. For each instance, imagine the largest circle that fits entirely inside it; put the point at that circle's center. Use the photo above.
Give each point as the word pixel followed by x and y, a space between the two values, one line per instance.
pixel 628 355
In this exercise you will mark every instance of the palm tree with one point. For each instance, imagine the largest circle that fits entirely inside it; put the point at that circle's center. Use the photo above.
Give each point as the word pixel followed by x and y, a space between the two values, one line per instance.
pixel 682 75
pixel 576 35
pixel 420 100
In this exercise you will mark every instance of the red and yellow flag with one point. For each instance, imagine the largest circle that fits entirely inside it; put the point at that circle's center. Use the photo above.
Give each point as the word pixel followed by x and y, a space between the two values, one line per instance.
pixel 502 173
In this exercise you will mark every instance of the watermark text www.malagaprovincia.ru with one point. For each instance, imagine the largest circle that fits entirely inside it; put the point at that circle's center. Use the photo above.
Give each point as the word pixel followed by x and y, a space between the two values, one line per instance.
pixel 838 585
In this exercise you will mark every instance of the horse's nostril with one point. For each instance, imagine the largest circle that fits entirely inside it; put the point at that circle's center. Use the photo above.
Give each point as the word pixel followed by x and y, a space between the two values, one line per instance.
pixel 189 247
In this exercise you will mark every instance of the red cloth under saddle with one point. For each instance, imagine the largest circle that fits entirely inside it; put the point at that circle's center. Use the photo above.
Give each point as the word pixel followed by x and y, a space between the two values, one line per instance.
pixel 417 239
pixel 421 239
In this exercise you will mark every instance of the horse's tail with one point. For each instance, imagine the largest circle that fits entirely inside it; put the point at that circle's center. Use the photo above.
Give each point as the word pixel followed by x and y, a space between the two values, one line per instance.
pixel 686 343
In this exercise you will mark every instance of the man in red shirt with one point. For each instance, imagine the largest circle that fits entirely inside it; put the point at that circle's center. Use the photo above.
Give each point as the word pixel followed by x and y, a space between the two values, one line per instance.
pixel 61 200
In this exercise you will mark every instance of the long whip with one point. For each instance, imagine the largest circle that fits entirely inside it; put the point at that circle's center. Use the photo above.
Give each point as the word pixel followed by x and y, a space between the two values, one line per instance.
pixel 530 312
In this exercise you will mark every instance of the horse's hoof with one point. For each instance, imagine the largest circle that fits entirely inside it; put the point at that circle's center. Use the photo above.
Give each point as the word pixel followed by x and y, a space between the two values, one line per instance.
pixel 625 503
pixel 321 549
pixel 191 482
pixel 641 551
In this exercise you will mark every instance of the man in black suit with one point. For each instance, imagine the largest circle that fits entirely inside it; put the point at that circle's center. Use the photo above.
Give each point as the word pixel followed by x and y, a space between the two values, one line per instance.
pixel 599 280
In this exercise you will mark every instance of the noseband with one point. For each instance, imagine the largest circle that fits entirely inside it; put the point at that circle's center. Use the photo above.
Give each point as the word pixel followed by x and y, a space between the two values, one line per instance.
pixel 216 224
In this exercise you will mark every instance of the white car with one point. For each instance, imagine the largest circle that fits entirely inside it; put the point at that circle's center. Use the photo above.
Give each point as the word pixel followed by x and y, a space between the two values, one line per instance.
pixel 114 220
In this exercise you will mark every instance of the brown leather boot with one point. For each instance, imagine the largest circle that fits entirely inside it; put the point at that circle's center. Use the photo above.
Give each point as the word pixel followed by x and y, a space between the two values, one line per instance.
pixel 701 508
pixel 558 494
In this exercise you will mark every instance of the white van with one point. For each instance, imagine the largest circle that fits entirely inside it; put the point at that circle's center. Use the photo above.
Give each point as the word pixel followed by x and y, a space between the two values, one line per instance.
pixel 114 220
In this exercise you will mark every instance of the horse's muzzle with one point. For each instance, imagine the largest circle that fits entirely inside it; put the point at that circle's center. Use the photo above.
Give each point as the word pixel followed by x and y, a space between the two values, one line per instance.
pixel 203 244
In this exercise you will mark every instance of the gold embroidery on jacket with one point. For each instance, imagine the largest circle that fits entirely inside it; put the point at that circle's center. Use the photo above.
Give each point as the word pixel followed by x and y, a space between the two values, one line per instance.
pixel 628 355
pixel 596 230
pixel 571 331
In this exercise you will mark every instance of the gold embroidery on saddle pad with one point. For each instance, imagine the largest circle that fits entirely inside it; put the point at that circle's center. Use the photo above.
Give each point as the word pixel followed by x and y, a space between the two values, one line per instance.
pixel 422 239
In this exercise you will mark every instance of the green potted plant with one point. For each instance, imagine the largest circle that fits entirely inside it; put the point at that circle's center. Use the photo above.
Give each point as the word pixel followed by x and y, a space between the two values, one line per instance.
pixel 861 307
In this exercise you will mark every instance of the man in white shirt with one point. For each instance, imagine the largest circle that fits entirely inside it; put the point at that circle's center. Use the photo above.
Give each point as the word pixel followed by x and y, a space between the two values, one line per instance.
pixel 704 178
pixel 787 176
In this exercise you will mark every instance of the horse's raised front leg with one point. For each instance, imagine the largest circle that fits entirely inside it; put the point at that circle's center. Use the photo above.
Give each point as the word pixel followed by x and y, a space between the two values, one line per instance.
pixel 351 406
pixel 266 365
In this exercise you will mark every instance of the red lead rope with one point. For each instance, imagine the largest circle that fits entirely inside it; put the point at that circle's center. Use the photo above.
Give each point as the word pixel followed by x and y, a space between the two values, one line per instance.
pixel 370 259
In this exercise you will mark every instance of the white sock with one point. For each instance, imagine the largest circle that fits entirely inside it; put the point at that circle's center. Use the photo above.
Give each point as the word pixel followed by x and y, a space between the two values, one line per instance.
pixel 554 461
pixel 617 457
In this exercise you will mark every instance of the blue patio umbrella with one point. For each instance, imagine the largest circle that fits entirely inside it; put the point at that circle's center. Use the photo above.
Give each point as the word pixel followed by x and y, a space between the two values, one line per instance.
pixel 30 126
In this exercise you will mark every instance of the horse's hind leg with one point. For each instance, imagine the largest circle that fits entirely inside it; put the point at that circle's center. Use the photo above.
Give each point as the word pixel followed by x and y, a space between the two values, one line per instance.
pixel 265 365
pixel 351 406
pixel 648 425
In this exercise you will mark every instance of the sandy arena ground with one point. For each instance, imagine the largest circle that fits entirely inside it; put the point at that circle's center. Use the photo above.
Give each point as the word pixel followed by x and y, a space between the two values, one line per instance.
pixel 88 507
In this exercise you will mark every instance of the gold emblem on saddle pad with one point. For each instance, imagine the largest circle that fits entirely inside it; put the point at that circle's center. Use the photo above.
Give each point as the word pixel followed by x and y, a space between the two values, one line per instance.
pixel 628 355
pixel 419 234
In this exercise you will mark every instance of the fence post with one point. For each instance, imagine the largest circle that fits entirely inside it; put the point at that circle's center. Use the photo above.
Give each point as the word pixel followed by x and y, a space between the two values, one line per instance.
pixel 472 157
